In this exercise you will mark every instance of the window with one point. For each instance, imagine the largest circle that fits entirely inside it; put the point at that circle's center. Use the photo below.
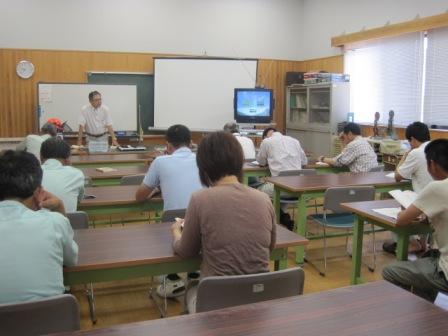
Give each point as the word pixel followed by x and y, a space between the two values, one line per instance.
pixel 435 105
pixel 387 75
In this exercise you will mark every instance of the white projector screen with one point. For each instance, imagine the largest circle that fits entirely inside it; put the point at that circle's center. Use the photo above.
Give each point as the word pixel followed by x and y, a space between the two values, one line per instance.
pixel 198 93
pixel 64 101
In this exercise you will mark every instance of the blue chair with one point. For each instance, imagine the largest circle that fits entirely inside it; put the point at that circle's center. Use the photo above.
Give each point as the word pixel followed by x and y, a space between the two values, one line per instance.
pixel 338 218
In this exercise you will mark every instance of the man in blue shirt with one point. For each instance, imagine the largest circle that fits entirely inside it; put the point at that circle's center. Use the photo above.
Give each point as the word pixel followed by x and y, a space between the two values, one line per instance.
pixel 36 239
pixel 177 176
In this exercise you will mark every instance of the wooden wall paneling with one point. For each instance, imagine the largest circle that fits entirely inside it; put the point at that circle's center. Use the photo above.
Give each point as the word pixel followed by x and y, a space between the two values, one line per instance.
pixel 331 64
pixel 18 97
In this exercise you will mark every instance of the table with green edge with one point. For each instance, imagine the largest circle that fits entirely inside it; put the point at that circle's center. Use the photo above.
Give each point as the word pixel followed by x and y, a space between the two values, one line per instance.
pixel 364 213
pixel 254 170
pixel 117 200
pixel 310 187
pixel 119 253
pixel 111 178
pixel 110 160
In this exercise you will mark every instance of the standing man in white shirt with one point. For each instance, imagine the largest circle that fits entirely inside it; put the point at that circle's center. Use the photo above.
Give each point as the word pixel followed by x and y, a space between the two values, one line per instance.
pixel 32 142
pixel 96 121
pixel 246 143
pixel 413 166
pixel 59 178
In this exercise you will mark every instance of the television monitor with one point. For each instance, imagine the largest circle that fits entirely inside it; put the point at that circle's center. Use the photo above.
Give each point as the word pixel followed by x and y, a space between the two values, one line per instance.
pixel 254 106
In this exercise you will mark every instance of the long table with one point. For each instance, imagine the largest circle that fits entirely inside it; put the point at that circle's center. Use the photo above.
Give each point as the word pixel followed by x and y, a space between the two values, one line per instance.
pixel 118 253
pixel 374 309
pixel 314 186
pixel 101 160
pixel 364 212
pixel 117 200
pixel 112 178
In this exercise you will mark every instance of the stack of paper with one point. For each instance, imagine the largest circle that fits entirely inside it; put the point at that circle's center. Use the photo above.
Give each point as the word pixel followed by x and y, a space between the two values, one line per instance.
pixel 106 169
pixel 388 212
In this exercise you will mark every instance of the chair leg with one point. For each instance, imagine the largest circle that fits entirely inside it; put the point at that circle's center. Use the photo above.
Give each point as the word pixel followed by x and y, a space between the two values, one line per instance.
pixel 346 242
pixel 325 254
pixel 153 297
pixel 91 300
pixel 374 249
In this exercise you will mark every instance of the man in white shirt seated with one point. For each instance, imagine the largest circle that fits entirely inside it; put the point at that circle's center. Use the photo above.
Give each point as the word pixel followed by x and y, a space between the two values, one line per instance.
pixel 429 275
pixel 96 121
pixel 280 152
pixel 32 142
pixel 246 143
pixel 36 239
pixel 59 178
pixel 413 166
pixel 358 155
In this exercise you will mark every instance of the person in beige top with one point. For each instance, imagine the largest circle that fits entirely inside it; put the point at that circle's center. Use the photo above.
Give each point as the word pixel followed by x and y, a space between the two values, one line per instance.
pixel 428 275
pixel 230 224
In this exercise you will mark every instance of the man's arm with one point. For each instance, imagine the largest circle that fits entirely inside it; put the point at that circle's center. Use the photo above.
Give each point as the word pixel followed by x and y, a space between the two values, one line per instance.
pixel 262 156
pixel 110 129
pixel 144 192
pixel 404 169
pixel 80 134
pixel 406 217
pixel 51 202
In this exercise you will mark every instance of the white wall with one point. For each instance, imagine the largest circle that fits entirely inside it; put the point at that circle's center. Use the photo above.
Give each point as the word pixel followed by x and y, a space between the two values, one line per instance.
pixel 232 28
pixel 324 19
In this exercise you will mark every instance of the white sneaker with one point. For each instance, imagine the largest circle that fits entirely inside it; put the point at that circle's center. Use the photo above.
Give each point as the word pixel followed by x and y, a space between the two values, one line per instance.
pixel 173 288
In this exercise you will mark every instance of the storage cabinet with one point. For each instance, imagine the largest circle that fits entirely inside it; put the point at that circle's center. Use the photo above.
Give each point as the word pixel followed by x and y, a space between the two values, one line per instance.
pixel 313 113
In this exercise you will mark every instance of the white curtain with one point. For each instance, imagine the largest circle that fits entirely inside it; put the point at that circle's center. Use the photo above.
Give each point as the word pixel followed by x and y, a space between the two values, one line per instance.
pixel 385 75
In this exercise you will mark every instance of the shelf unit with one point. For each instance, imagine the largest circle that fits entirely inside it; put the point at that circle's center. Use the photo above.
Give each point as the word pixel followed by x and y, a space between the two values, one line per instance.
pixel 313 112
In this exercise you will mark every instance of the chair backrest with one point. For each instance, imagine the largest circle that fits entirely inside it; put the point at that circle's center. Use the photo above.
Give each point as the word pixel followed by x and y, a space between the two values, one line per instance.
pixel 378 168
pixel 78 220
pixel 50 315
pixel 297 172
pixel 132 179
pixel 170 215
pixel 337 195
pixel 226 291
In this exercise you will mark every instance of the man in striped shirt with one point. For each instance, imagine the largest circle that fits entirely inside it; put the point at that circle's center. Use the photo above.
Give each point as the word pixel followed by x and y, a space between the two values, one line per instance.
pixel 357 154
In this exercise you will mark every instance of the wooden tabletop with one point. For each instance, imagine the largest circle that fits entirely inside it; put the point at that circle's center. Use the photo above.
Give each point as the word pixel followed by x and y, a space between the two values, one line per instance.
pixel 102 248
pixel 107 158
pixel 377 308
pixel 112 195
pixel 117 173
pixel 324 181
pixel 365 209
pixel 247 166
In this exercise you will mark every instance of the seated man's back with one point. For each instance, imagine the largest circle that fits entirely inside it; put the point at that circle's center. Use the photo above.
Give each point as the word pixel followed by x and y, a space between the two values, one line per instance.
pixel 59 178
pixel 281 153
pixel 176 174
pixel 34 242
pixel 33 247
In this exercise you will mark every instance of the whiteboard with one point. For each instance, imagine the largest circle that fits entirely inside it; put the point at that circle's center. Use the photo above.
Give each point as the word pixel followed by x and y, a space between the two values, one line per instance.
pixel 65 101
pixel 198 92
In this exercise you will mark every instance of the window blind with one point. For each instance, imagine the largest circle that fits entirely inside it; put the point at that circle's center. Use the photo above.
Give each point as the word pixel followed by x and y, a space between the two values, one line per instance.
pixel 436 83
pixel 385 75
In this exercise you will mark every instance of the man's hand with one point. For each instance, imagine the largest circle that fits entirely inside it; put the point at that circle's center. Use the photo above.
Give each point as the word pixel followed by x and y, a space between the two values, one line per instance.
pixel 51 202
pixel 176 230
pixel 115 142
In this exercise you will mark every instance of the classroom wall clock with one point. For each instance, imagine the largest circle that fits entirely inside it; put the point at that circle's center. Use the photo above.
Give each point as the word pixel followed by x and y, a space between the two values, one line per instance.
pixel 25 69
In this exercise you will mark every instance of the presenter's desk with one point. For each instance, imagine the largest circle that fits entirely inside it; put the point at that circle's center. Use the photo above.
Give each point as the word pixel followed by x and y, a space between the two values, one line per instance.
pixel 112 178
pixel 118 253
pixel 374 309
pixel 314 186
pixel 117 200
pixel 364 213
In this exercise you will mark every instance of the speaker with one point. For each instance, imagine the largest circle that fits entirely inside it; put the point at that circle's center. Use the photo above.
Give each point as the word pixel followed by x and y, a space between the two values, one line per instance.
pixel 294 78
